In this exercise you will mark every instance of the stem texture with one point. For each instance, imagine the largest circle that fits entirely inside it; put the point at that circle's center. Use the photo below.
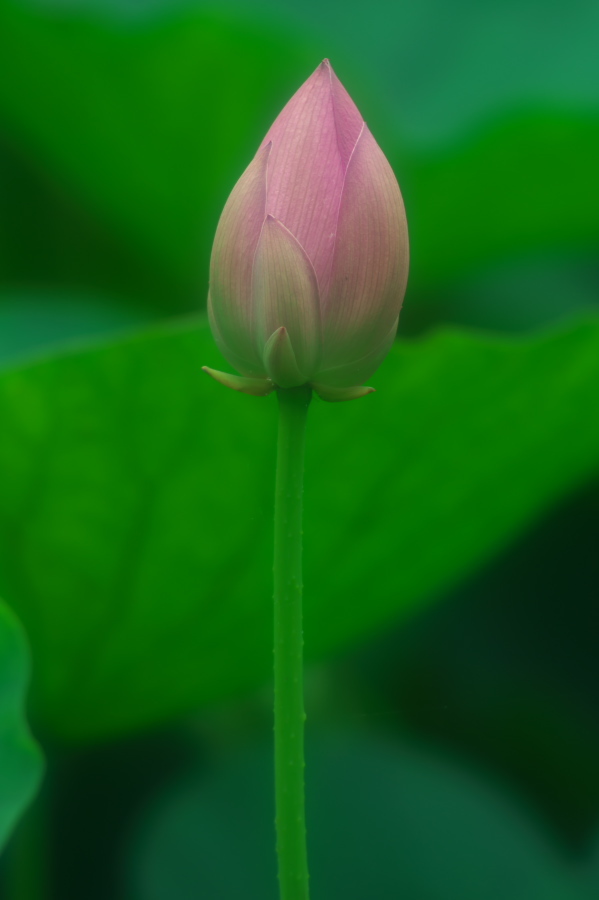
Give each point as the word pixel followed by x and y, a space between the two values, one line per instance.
pixel 288 646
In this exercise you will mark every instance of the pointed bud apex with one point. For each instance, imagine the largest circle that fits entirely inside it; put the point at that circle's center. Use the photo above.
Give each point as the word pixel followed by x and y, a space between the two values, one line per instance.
pixel 310 259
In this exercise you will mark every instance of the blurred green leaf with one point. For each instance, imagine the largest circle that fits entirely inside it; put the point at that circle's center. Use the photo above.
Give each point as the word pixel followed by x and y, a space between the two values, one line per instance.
pixel 509 670
pixel 136 503
pixel 519 294
pixel 593 867
pixel 32 320
pixel 147 122
pixel 384 820
pixel 20 758
pixel 49 236
pixel 519 184
pixel 442 69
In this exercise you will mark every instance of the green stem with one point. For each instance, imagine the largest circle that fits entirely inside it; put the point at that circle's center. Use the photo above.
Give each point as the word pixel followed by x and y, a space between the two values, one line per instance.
pixel 289 693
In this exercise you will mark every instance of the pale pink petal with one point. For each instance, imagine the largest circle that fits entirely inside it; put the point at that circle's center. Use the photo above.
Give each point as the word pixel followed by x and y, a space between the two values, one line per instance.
pixel 312 142
pixel 251 363
pixel 232 258
pixel 370 265
pixel 286 294
pixel 359 370
pixel 280 360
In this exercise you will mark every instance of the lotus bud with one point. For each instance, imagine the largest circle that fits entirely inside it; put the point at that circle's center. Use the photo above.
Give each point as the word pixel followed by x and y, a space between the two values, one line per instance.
pixel 310 259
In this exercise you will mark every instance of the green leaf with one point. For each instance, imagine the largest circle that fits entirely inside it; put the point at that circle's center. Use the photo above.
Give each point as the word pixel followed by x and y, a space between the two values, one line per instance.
pixel 384 820
pixel 486 199
pixel 20 758
pixel 593 867
pixel 136 501
pixel 147 123
pixel 31 321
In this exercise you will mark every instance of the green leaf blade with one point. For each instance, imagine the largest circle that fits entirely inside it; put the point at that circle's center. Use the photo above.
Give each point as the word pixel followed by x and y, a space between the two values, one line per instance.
pixel 136 504
pixel 20 758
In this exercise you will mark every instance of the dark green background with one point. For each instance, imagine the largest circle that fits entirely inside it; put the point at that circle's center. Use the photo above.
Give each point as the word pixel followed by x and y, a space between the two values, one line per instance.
pixel 451 534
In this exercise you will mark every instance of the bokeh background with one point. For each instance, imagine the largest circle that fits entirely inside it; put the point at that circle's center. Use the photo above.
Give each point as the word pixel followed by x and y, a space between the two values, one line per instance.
pixel 452 520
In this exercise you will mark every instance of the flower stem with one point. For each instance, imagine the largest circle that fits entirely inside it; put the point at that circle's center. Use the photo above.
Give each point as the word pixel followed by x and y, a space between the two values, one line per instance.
pixel 288 646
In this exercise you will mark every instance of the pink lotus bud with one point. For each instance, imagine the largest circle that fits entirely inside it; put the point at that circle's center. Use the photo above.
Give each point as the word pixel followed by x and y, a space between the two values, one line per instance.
pixel 310 259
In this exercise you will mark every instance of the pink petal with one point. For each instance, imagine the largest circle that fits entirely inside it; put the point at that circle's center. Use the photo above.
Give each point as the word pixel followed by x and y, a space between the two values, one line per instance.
pixel 359 370
pixel 231 263
pixel 250 363
pixel 286 294
pixel 312 142
pixel 280 361
pixel 370 266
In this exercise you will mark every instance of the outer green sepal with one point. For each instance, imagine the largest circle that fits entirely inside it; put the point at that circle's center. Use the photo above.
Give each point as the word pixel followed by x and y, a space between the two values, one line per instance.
pixel 257 387
pixel 336 395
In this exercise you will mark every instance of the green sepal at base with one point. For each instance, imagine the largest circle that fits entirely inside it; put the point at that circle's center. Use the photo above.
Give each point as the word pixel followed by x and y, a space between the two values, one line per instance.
pixel 256 387
pixel 338 395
